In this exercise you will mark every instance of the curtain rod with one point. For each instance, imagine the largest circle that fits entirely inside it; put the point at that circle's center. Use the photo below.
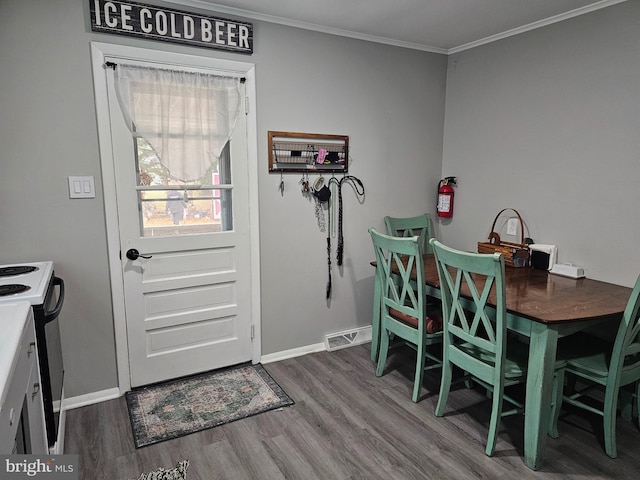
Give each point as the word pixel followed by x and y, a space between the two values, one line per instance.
pixel 114 65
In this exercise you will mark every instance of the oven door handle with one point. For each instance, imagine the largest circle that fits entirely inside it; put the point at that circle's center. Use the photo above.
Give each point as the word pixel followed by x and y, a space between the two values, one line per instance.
pixel 53 314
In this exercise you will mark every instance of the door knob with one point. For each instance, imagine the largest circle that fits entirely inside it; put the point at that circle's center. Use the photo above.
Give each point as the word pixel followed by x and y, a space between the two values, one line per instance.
pixel 133 254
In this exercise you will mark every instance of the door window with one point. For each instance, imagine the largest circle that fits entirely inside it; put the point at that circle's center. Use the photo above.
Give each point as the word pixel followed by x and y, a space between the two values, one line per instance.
pixel 173 207
pixel 181 121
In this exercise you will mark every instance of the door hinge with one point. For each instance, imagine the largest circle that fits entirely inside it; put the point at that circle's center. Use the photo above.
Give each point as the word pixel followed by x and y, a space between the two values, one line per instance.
pixel 253 332
pixel 246 105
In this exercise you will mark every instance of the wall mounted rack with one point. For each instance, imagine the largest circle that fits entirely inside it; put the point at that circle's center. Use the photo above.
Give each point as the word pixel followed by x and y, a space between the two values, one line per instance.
pixel 307 152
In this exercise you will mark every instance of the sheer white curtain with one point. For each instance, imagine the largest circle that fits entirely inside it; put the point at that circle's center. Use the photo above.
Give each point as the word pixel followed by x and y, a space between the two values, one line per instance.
pixel 187 117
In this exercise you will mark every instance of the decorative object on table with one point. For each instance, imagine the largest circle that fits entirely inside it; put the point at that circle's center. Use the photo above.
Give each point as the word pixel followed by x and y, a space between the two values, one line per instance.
pixel 191 404
pixel 177 473
pixel 515 254
pixel 602 365
pixel 403 303
pixel 543 257
pixel 476 338
pixel 567 270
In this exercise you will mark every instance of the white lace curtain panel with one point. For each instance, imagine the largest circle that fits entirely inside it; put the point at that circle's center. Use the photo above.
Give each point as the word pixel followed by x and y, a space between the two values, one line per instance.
pixel 186 117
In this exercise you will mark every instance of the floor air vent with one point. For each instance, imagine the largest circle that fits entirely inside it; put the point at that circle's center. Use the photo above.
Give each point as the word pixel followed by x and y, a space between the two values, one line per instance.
pixel 348 338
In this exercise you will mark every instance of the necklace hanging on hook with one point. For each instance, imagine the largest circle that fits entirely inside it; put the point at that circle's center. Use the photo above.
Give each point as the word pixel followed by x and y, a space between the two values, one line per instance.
pixel 322 194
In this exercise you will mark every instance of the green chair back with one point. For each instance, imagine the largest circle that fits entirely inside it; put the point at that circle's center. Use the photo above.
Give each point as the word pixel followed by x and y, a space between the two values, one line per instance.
pixel 411 226
pixel 398 293
pixel 402 300
pixel 603 366
pixel 625 358
pixel 472 322
pixel 475 335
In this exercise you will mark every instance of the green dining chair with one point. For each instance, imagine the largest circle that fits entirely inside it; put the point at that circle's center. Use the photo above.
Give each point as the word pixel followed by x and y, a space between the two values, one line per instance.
pixel 403 303
pixel 409 226
pixel 475 334
pixel 419 225
pixel 601 365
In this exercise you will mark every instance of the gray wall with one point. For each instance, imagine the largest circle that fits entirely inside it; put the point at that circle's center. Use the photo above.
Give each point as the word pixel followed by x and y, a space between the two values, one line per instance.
pixel 390 101
pixel 548 122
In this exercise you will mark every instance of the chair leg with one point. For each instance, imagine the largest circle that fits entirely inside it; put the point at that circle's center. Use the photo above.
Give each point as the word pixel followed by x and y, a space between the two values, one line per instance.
pixel 556 402
pixel 638 401
pixel 445 386
pixel 375 323
pixel 375 342
pixel 570 387
pixel 383 351
pixel 496 414
pixel 609 414
pixel 626 403
pixel 417 383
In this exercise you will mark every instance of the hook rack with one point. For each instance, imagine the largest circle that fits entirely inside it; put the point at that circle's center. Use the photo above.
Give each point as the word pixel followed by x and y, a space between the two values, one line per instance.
pixel 307 152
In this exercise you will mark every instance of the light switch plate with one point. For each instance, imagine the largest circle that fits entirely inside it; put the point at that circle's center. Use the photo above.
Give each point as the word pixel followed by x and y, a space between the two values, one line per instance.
pixel 512 226
pixel 82 187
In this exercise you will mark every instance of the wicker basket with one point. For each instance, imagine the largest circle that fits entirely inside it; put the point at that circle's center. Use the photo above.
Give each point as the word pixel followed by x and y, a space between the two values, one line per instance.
pixel 515 254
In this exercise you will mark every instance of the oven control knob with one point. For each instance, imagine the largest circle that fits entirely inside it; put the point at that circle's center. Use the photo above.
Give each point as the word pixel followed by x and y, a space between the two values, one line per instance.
pixel 133 254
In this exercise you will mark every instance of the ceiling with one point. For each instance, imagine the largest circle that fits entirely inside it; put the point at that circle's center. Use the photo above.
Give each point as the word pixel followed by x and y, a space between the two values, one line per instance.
pixel 441 26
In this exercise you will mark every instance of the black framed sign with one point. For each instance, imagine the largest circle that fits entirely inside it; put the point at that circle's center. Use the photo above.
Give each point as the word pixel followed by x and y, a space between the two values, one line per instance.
pixel 168 25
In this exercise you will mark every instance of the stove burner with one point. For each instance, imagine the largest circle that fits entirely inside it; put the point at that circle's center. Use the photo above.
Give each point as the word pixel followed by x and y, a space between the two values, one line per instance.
pixel 13 289
pixel 16 270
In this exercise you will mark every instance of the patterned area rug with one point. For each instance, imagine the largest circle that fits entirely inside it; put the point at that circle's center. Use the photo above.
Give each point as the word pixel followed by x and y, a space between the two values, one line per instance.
pixel 191 404
pixel 178 473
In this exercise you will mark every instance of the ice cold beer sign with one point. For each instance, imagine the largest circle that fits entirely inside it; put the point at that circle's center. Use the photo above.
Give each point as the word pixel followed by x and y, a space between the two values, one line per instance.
pixel 151 22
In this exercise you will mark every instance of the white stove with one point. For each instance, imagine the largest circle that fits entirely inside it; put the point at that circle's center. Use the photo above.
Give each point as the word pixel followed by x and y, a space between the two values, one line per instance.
pixel 35 283
pixel 35 276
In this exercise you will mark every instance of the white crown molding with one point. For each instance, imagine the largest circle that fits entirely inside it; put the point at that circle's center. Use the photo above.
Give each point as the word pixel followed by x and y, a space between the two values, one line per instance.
pixel 212 7
pixel 539 24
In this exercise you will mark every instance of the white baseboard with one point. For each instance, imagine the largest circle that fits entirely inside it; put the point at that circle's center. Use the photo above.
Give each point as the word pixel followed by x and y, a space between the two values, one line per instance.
pixel 294 352
pixel 111 393
pixel 91 398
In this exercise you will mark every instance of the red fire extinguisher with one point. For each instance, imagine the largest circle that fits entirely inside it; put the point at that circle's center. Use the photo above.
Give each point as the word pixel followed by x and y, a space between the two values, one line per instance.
pixel 445 197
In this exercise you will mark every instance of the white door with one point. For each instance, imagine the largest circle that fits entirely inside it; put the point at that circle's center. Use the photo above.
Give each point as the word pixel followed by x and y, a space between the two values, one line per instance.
pixel 188 305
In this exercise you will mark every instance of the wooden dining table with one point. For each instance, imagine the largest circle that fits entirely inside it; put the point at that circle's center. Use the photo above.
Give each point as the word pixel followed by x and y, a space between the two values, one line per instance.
pixel 543 307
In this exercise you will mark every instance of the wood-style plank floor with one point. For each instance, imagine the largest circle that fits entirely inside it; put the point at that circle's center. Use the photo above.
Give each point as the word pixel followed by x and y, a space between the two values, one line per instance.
pixel 349 424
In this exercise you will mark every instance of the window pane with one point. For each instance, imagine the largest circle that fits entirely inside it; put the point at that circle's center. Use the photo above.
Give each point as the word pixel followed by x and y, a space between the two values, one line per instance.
pixel 178 212
pixel 181 207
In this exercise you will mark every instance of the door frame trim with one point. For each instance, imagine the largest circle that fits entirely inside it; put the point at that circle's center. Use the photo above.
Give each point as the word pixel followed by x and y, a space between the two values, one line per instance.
pixel 99 51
